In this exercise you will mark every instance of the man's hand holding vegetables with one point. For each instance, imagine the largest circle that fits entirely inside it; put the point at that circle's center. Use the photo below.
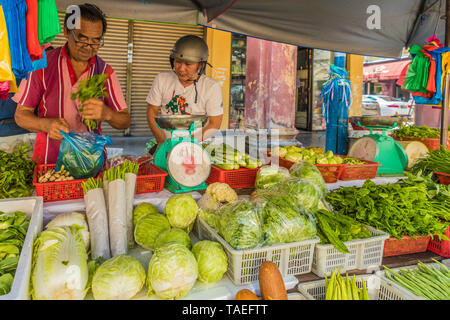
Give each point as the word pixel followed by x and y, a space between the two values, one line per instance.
pixel 51 90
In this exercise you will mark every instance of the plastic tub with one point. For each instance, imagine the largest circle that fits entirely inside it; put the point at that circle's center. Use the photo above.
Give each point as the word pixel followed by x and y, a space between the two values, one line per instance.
pixel 33 207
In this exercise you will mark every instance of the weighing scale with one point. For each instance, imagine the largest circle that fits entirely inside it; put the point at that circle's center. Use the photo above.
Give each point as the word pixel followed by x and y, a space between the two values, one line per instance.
pixel 187 164
pixel 382 149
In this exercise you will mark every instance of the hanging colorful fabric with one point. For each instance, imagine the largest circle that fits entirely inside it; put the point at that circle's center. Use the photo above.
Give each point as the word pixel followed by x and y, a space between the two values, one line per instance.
pixel 41 63
pixel 15 11
pixel 6 73
pixel 4 90
pixel 416 78
pixel 337 98
pixel 33 46
pixel 49 25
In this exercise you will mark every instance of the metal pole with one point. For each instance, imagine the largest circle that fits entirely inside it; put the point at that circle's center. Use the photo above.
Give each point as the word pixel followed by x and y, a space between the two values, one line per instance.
pixel 445 106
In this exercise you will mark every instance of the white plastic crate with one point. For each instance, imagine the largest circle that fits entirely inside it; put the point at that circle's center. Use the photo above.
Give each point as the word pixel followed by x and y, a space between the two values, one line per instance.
pixel 32 206
pixel 365 254
pixel 243 265
pixel 377 288
pixel 394 284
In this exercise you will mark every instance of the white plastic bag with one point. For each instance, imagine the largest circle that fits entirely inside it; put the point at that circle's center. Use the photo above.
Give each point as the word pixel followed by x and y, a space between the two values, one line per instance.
pixel 97 218
pixel 118 238
pixel 130 188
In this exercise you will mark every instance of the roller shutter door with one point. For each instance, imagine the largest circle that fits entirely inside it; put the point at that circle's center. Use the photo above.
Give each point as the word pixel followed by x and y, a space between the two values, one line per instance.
pixel 152 43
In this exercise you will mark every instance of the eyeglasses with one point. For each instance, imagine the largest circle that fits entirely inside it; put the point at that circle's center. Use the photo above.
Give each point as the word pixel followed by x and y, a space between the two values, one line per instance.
pixel 96 45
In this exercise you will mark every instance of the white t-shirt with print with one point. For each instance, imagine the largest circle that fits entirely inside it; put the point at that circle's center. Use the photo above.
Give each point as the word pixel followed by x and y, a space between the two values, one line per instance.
pixel 168 92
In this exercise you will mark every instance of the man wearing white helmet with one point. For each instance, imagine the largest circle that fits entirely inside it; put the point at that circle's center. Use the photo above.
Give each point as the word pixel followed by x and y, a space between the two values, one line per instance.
pixel 186 89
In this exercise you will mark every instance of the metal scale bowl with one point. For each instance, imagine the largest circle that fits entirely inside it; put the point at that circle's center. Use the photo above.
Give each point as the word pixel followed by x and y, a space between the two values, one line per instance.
pixel 181 155
pixel 380 147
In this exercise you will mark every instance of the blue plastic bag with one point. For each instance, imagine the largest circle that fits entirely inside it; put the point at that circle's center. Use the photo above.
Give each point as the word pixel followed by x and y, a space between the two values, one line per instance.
pixel 82 153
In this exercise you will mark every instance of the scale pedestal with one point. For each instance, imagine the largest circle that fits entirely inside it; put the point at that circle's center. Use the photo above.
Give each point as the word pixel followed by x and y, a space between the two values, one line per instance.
pixel 181 155
pixel 382 149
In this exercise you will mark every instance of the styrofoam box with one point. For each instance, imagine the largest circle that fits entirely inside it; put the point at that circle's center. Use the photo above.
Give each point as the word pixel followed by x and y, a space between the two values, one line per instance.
pixel 243 265
pixel 364 254
pixel 378 289
pixel 32 206
pixel 416 297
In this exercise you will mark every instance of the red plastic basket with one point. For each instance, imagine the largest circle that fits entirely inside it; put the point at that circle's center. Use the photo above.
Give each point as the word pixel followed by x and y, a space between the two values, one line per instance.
pixel 239 178
pixel 330 172
pixel 444 178
pixel 150 178
pixel 440 247
pixel 285 163
pixel 432 144
pixel 55 191
pixel 406 245
pixel 360 171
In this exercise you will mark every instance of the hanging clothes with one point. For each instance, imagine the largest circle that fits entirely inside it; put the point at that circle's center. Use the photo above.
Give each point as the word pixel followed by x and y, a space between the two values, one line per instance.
pixel 337 98
pixel 438 56
pixel 4 90
pixel 6 72
pixel 417 73
pixel 41 63
pixel 15 11
pixel 33 46
pixel 49 25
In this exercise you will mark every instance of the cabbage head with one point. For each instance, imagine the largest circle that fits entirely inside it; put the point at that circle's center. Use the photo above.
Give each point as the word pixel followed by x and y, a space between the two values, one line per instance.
pixel 284 221
pixel 74 219
pixel 269 176
pixel 307 170
pixel 241 224
pixel 119 278
pixel 307 194
pixel 59 267
pixel 172 271
pixel 143 209
pixel 148 229
pixel 212 260
pixel 181 210
pixel 173 234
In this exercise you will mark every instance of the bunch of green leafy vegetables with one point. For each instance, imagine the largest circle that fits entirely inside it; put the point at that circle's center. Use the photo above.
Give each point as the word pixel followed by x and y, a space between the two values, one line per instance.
pixel 421 132
pixel 13 229
pixel 16 173
pixel 413 207
pixel 435 160
pixel 336 228
pixel 93 87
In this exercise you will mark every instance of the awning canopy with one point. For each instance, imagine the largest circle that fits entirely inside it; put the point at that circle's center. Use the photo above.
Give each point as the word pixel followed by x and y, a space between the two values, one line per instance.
pixel 366 27
pixel 384 71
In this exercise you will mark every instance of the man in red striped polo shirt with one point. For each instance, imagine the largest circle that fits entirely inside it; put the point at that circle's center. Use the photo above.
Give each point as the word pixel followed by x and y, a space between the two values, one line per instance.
pixel 50 89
